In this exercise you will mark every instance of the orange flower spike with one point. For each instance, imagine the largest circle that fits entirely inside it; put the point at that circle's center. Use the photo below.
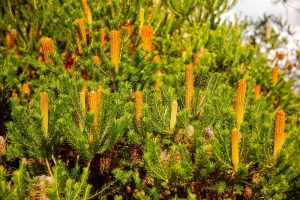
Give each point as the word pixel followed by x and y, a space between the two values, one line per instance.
pixel 189 86
pixel 47 45
pixel 82 29
pixel 44 112
pixel 102 37
pixel 240 102
pixel 138 105
pixel 14 94
pixel 235 140
pixel 26 89
pixel 9 40
pixel 279 132
pixel 87 11
pixel 96 60
pixel 115 43
pixel 157 59
pixel 275 75
pixel 257 91
pixel 147 36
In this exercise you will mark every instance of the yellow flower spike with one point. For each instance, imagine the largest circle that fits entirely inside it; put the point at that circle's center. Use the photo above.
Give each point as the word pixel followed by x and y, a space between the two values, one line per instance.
pixel 147 36
pixel 142 17
pixel 102 37
pixel 47 45
pixel 78 43
pixel 157 83
pixel 257 91
pixel 98 103
pixel 96 60
pixel 82 29
pixel 138 105
pixel 240 102
pixel 82 100
pixel 173 115
pixel 115 42
pixel 275 75
pixel 268 31
pixel 87 11
pixel 279 132
pixel 189 86
pixel 44 112
pixel 26 89
pixel 235 140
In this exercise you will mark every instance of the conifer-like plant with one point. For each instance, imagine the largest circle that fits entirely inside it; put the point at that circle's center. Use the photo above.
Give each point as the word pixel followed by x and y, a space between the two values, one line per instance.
pixel 115 42
pixel 240 102
pixel 278 132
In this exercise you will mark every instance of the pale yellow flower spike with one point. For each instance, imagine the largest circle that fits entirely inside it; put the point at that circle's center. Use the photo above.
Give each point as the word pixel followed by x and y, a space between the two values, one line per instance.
pixel 173 115
pixel 240 102
pixel 235 140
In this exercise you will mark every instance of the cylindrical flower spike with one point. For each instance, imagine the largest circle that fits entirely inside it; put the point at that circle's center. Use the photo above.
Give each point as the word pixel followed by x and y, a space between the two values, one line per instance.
pixel 138 105
pixel 279 132
pixel 156 59
pixel 82 100
pixel 26 89
pixel 147 36
pixel 189 86
pixel 79 47
pixel 173 115
pixel 96 60
pixel 2 145
pixel 235 140
pixel 142 16
pixel 87 11
pixel 257 91
pixel 115 42
pixel 14 94
pixel 157 83
pixel 47 47
pixel 82 29
pixel 102 37
pixel 240 102
pixel 98 102
pixel 44 112
pixel 268 31
pixel 275 75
